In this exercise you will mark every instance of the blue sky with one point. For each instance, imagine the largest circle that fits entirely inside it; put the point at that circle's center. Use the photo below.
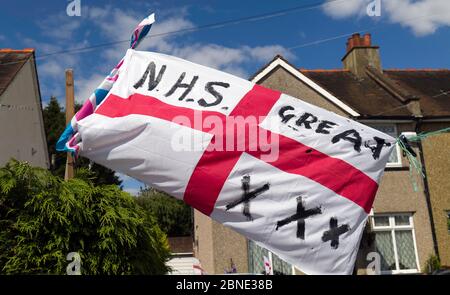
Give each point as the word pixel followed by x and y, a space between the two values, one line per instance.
pixel 411 34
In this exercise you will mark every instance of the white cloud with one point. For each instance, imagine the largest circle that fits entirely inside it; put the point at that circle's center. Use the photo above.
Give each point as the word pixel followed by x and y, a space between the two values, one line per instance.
pixel 108 20
pixel 84 87
pixel 51 69
pixel 164 43
pixel 266 53
pixel 229 59
pixel 211 55
pixel 43 47
pixel 116 24
pixel 60 26
pixel 51 66
pixel 423 17
pixel 344 8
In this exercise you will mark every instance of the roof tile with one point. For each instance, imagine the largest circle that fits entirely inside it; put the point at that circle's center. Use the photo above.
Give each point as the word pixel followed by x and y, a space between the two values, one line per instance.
pixel 11 61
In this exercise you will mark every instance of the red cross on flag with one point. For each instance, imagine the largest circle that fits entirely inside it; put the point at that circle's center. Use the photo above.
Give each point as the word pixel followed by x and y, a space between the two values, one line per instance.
pixel 295 178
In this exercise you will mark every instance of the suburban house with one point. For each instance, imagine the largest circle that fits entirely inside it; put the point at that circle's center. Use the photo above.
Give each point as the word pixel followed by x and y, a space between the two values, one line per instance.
pixel 21 122
pixel 409 223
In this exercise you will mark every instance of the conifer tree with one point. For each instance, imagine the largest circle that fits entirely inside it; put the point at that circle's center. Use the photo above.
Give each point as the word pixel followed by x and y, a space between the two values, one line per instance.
pixel 173 216
pixel 43 219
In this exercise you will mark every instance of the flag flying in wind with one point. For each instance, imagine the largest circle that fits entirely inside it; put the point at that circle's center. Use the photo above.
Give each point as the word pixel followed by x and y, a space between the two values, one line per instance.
pixel 67 141
pixel 295 178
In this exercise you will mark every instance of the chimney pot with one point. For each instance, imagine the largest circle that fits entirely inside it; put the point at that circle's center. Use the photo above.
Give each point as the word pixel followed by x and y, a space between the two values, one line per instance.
pixel 367 40
pixel 350 44
pixel 361 54
pixel 356 39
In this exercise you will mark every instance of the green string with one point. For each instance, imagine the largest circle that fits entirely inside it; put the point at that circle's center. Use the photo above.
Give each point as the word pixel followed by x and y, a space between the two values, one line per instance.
pixel 414 163
pixel 424 135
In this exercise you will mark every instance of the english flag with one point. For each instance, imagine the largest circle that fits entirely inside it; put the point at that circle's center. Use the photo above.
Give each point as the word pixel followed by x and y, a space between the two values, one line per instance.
pixel 295 178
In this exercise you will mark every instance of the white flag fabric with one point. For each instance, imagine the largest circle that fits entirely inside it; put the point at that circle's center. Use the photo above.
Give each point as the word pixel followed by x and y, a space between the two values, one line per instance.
pixel 295 178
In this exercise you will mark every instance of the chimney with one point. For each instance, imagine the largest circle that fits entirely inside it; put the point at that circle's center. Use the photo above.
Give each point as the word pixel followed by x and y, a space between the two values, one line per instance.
pixel 360 55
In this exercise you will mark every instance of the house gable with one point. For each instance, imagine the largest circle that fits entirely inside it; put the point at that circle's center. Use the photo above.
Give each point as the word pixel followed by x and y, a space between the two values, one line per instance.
pixel 21 118
pixel 280 75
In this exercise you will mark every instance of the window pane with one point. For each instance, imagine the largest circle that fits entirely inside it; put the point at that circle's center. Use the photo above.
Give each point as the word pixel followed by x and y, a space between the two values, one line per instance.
pixel 384 246
pixel 405 249
pixel 393 158
pixel 256 257
pixel 381 220
pixel 402 220
pixel 280 267
pixel 388 129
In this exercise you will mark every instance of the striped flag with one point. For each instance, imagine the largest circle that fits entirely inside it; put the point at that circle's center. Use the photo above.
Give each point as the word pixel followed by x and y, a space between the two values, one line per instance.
pixel 70 137
pixel 295 178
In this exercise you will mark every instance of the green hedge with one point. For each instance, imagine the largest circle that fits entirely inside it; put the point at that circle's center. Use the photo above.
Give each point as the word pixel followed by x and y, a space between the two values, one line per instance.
pixel 43 218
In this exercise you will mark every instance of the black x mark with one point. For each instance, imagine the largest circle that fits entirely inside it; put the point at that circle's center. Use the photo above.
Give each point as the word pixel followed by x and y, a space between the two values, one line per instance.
pixel 334 232
pixel 247 196
pixel 300 216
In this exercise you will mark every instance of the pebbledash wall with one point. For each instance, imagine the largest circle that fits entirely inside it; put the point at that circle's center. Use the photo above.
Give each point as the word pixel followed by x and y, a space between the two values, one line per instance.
pixel 400 226
pixel 437 161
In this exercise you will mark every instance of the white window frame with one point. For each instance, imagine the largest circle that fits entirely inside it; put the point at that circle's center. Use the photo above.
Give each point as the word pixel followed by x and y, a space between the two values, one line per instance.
pixel 447 215
pixel 397 147
pixel 393 228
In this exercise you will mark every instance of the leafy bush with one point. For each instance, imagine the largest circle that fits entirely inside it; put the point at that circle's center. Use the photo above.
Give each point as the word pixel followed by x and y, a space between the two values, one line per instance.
pixel 43 218
pixel 173 216
pixel 433 263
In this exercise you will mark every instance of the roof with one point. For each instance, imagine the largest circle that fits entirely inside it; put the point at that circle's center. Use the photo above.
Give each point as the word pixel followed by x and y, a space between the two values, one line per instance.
pixel 279 61
pixel 364 95
pixel 378 95
pixel 181 244
pixel 432 86
pixel 11 61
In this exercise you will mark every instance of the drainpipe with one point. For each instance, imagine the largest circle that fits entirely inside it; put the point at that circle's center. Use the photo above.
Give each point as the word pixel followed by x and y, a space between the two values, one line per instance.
pixel 426 189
